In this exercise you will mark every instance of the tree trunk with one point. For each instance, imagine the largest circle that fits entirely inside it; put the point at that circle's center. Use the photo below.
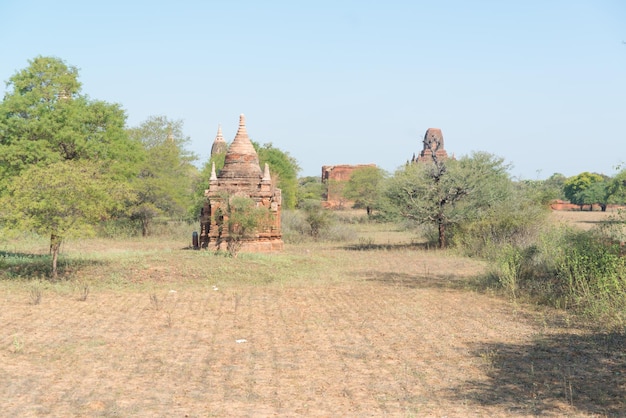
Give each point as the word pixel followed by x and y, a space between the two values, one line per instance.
pixel 55 246
pixel 144 227
pixel 442 235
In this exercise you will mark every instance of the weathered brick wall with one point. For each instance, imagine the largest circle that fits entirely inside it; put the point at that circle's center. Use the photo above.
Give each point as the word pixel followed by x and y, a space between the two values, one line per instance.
pixel 335 178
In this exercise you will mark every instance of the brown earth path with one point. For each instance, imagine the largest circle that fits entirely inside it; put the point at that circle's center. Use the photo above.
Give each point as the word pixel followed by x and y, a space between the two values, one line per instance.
pixel 374 339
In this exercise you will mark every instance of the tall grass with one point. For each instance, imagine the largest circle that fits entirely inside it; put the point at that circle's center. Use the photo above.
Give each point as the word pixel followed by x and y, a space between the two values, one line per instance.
pixel 296 227
pixel 581 271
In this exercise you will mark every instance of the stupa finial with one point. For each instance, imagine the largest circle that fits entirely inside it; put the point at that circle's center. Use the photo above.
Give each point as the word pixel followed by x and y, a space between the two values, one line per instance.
pixel 213 175
pixel 266 173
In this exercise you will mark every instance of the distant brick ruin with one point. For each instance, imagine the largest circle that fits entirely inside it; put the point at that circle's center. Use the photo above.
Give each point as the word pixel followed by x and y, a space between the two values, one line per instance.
pixel 240 176
pixel 335 177
pixel 433 144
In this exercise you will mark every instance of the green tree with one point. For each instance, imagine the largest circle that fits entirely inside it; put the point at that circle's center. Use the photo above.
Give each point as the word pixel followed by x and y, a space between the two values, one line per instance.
pixel 545 191
pixel 44 119
pixel 283 170
pixel 164 185
pixel 365 188
pixel 448 192
pixel 597 193
pixel 554 185
pixel 576 186
pixel 616 188
pixel 201 182
pixel 309 188
pixel 64 199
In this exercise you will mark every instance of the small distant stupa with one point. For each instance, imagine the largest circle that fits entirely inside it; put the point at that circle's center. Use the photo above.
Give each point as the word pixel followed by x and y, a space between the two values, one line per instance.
pixel 240 176
pixel 219 145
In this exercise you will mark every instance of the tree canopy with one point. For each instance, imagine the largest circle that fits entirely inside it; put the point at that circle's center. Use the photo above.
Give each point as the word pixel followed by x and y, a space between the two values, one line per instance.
pixel 365 187
pixel 447 192
pixel 164 184
pixel 578 189
pixel 44 119
pixel 283 169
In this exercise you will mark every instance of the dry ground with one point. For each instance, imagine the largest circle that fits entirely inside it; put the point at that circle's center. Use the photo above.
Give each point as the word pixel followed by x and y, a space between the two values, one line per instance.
pixel 321 330
pixel 582 219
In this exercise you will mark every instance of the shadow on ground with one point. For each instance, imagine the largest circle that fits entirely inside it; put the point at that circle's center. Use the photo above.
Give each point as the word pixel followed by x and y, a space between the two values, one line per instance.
pixel 16 265
pixel 415 281
pixel 557 373
pixel 368 246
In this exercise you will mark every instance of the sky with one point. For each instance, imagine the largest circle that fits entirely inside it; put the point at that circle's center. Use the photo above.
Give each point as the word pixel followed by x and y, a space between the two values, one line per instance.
pixel 540 83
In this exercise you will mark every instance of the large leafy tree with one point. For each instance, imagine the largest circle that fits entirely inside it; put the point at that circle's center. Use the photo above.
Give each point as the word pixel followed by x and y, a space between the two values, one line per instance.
pixel 164 185
pixel 283 169
pixel 365 187
pixel 44 119
pixel 578 189
pixel 448 192
pixel 309 188
pixel 62 200
pixel 616 188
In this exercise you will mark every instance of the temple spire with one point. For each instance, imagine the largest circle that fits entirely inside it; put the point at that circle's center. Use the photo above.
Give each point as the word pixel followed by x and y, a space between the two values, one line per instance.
pixel 241 159
pixel 266 173
pixel 219 145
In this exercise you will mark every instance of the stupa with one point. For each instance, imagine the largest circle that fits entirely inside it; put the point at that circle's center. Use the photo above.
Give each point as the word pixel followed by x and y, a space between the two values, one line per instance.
pixel 241 176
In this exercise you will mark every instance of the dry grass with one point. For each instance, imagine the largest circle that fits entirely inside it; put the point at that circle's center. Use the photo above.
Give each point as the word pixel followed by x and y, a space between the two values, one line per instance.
pixel 582 219
pixel 379 327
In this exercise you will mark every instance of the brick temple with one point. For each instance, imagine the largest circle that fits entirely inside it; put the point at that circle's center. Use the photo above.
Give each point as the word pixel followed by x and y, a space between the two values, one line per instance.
pixel 240 176
pixel 433 144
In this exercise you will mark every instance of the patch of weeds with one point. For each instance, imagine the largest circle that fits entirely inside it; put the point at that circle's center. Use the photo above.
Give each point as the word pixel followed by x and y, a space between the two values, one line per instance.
pixel 35 293
pixel 83 289
pixel 365 244
pixel 490 358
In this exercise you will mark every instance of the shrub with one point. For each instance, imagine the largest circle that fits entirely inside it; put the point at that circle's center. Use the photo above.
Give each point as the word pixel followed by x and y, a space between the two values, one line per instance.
pixel 513 223
pixel 582 271
pixel 314 223
pixel 592 273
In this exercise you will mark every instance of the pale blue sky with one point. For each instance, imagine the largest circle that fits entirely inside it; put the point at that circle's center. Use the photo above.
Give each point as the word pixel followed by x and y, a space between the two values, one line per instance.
pixel 540 83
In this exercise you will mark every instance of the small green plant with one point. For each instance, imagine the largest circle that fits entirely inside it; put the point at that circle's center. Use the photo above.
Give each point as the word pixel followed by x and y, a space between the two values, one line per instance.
pixel 18 345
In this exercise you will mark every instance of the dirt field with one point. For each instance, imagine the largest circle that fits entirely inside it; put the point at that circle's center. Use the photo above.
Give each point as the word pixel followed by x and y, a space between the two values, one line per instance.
pixel 582 219
pixel 320 330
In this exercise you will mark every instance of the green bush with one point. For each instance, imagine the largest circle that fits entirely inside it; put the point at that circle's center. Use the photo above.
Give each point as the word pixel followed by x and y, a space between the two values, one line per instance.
pixel 581 271
pixel 591 273
pixel 513 223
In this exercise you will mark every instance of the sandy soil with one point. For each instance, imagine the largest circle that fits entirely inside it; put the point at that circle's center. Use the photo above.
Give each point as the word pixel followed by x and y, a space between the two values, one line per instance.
pixel 378 344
